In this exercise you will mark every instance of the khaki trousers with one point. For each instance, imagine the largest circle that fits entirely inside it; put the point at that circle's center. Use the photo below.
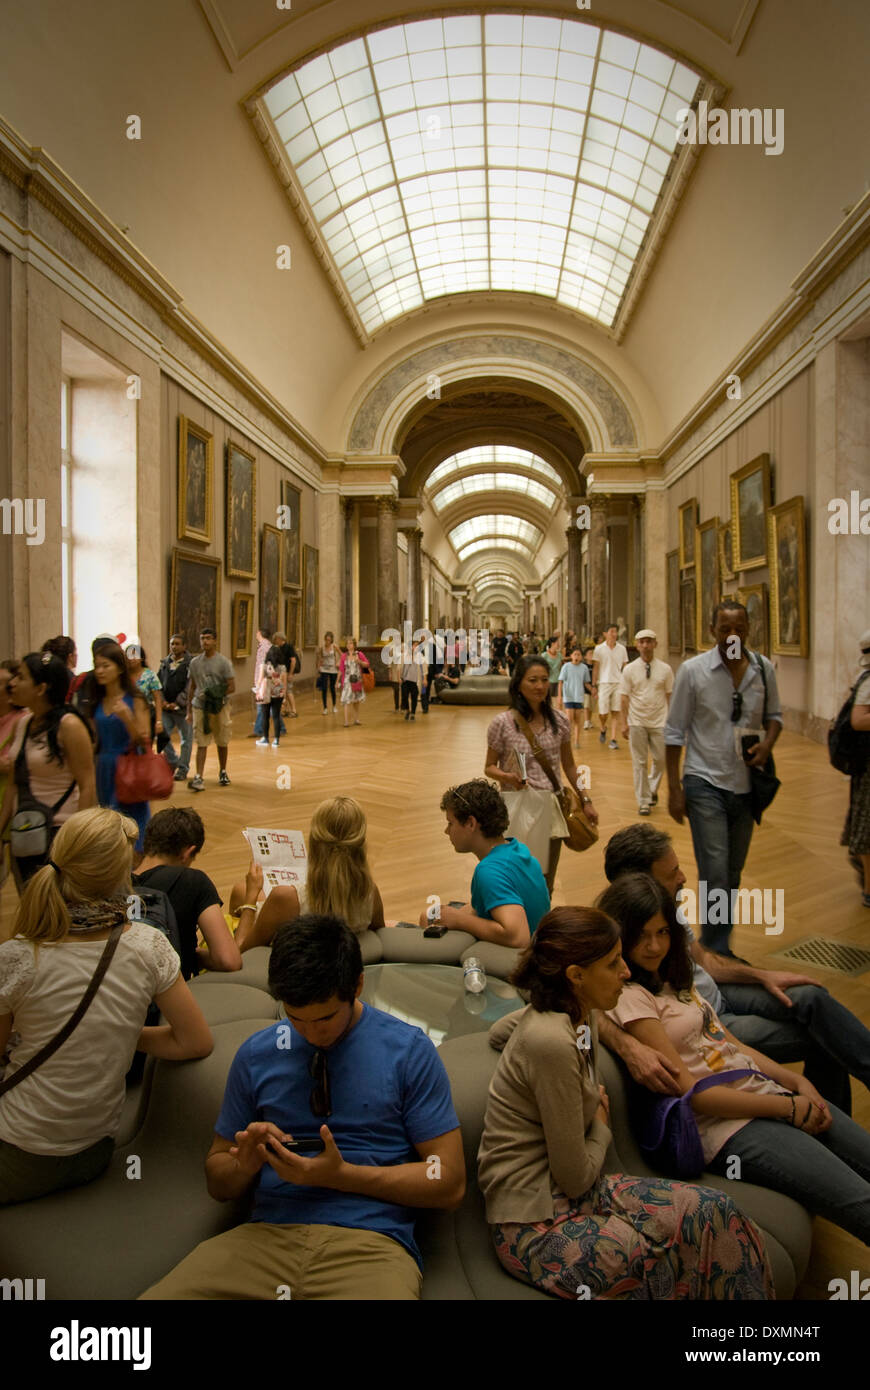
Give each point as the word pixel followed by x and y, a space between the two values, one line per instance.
pixel 646 743
pixel 260 1260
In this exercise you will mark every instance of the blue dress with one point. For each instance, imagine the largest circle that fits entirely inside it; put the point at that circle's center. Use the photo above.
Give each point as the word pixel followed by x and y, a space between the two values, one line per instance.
pixel 112 741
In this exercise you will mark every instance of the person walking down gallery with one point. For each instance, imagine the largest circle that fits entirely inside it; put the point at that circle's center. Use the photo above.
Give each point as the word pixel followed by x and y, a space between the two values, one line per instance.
pixel 856 831
pixel 542 735
pixel 327 669
pixel 212 682
pixel 147 682
pixel 350 676
pixel 275 676
pixel 608 659
pixel 51 755
pixel 174 678
pixel 644 693
pixel 122 721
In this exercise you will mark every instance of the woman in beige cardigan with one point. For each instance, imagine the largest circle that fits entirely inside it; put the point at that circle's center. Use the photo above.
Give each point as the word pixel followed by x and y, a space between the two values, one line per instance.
pixel 560 1220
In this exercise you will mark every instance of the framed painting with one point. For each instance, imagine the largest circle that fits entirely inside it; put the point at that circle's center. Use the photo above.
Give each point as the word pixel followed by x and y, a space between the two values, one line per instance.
pixel 787 544
pixel 195 481
pixel 289 524
pixel 687 516
pixel 706 580
pixel 310 619
pixel 243 625
pixel 194 596
pixel 750 503
pixel 672 562
pixel 270 580
pixel 241 513
pixel 687 611
pixel 754 600
pixel 292 604
pixel 726 553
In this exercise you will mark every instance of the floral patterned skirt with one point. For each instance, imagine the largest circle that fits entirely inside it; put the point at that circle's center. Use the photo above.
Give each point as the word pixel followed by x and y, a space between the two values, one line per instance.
pixel 640 1238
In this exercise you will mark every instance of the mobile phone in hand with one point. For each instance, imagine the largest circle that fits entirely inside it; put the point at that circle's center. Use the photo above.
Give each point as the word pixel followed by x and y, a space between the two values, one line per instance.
pixel 306 1148
pixel 436 930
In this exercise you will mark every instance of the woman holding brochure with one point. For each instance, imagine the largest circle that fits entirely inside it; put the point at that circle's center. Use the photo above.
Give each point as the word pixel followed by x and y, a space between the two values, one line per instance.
pixel 339 880
pixel 522 744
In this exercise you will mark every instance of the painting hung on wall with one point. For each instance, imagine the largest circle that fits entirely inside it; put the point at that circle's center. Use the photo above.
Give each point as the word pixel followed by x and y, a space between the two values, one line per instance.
pixel 754 600
pixel 786 533
pixel 195 476
pixel 195 596
pixel 291 619
pixel 706 580
pixel 243 625
pixel 241 513
pixel 672 561
pixel 750 503
pixel 687 516
pixel 270 580
pixel 726 553
pixel 289 525
pixel 309 597
pixel 687 609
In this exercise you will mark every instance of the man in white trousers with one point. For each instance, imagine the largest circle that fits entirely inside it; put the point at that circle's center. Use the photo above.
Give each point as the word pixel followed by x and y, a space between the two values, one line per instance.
pixel 645 691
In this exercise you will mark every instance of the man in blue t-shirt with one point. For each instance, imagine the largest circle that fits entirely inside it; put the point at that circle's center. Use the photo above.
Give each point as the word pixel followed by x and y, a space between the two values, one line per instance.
pixel 508 890
pixel 335 1224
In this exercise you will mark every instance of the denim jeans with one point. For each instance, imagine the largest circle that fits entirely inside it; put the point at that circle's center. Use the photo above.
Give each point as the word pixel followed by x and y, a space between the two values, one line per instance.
pixel 827 1173
pixel 175 719
pixel 261 723
pixel 817 1030
pixel 721 824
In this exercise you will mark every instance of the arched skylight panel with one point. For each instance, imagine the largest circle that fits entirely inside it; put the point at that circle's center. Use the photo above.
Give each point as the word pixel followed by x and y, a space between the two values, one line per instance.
pixel 505 151
pixel 483 454
pixel 493 543
pixel 493 482
pixel 496 524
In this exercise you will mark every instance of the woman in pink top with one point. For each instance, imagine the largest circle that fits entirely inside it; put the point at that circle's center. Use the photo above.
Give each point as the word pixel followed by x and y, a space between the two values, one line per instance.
pixel 529 695
pixel 785 1135
pixel 58 750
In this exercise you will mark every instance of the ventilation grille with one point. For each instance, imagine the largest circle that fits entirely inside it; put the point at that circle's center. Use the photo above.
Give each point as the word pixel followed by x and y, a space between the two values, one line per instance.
pixel 829 955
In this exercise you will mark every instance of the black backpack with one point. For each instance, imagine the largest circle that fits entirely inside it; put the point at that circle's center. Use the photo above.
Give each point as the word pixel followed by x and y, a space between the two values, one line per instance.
pixel 156 909
pixel 848 748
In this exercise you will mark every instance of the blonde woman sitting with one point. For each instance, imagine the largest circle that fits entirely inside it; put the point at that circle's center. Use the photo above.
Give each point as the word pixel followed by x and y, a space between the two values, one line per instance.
pixel 339 880
pixel 57 1125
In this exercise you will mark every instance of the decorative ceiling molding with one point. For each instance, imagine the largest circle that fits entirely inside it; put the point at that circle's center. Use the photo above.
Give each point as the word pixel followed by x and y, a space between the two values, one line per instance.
pixel 584 389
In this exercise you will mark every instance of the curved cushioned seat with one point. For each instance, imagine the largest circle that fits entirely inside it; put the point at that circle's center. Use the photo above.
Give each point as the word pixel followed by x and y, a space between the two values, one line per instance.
pixel 500 961
pixel 408 944
pixel 225 1003
pixel 477 690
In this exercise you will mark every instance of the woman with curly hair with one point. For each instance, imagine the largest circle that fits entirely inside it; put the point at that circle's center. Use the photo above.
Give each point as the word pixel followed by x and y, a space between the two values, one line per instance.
pixel 560 1219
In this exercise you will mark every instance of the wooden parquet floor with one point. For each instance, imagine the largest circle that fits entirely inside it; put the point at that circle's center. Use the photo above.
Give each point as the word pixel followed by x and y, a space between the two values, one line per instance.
pixel 398 771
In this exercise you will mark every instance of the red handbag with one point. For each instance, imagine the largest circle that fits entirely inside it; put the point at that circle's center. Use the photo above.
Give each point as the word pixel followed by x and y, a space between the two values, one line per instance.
pixel 142 775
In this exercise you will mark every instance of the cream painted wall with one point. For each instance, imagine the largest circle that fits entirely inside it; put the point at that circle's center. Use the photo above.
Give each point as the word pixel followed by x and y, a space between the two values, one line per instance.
pixel 750 222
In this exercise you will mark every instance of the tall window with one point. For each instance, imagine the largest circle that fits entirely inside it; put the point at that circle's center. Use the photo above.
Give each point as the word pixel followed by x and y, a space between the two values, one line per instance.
pixel 66 503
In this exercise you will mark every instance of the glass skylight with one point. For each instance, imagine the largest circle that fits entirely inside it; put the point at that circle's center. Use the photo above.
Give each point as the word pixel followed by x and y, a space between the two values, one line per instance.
pixel 505 456
pixel 493 482
pixel 498 525
pixel 483 152
pixel 494 543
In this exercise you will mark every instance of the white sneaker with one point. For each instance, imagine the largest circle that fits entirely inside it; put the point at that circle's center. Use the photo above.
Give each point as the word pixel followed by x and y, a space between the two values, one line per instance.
pixel 196 784
pixel 275 743
pixel 262 743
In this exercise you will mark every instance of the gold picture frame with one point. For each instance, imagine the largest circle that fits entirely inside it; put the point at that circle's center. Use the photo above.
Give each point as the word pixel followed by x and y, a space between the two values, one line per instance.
pixel 754 600
pixel 271 545
pixel 750 504
pixel 310 616
pixel 242 625
pixel 726 554
pixel 672 579
pixel 687 520
pixel 292 606
pixel 787 547
pixel 195 482
pixel 194 596
pixel 291 563
pixel 241 512
pixel 688 606
pixel 707 586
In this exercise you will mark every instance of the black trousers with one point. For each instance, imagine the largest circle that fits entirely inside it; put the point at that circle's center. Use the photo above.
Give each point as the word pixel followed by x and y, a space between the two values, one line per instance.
pixel 410 691
pixel 331 677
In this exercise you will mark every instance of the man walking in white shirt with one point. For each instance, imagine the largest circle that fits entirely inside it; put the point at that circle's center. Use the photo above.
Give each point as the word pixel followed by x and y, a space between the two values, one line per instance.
pixel 608 660
pixel 645 692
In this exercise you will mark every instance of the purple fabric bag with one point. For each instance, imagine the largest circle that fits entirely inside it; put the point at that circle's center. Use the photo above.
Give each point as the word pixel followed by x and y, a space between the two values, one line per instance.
pixel 667 1130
